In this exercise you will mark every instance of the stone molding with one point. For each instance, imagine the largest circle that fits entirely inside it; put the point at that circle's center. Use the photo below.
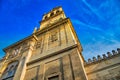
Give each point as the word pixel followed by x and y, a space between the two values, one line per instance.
pixel 52 54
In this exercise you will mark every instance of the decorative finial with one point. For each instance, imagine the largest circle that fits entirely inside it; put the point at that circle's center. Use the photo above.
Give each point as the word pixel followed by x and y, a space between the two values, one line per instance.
pixel 35 29
pixel 118 50
pixel 114 52
pixel 109 54
pixel 89 60
pixel 99 57
pixel 94 59
pixel 104 56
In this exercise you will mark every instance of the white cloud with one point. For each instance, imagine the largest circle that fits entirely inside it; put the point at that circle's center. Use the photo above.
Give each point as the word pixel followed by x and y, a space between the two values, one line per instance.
pixel 95 11
pixel 94 27
pixel 99 48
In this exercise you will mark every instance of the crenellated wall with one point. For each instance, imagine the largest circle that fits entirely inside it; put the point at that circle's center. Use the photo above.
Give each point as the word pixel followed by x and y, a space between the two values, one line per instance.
pixel 100 58
pixel 53 52
pixel 104 67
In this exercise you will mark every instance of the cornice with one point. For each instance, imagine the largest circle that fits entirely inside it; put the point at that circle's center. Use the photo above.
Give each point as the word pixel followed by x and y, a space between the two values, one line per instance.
pixel 53 54
pixel 52 26
pixel 38 32
pixel 20 41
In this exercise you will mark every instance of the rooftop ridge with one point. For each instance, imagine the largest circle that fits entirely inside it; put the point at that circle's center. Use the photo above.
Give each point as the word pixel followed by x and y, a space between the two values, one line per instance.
pixel 106 56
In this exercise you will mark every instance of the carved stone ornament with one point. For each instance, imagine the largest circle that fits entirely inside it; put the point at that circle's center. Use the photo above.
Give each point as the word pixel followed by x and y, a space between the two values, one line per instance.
pixel 14 53
pixel 25 46
pixel 38 44
pixel 53 37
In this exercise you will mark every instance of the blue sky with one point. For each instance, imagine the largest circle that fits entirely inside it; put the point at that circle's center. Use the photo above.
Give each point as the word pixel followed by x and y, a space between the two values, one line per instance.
pixel 97 22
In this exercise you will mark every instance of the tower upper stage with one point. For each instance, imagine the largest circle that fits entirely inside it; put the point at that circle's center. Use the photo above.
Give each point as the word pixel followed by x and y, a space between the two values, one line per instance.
pixel 52 17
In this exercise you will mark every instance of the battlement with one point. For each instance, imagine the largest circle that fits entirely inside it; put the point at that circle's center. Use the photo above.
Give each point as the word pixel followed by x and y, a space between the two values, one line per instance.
pixel 99 58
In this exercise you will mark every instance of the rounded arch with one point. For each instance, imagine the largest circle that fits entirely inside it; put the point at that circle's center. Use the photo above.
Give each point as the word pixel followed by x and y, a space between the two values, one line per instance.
pixel 46 17
pixel 57 11
pixel 52 14
pixel 13 61
pixel 11 67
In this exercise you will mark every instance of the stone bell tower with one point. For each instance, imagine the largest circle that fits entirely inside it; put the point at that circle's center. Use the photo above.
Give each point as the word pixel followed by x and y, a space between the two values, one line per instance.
pixel 52 52
pixel 58 51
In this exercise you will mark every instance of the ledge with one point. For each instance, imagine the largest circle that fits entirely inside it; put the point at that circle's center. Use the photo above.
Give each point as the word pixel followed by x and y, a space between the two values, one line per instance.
pixel 53 54
pixel 94 71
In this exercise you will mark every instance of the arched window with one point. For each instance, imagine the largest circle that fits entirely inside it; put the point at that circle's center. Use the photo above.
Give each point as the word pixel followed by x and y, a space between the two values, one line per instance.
pixel 10 71
pixel 46 17
pixel 52 14
pixel 57 11
pixel 11 68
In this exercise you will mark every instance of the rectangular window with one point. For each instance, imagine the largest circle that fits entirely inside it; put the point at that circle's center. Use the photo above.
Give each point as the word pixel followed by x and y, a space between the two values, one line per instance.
pixel 54 78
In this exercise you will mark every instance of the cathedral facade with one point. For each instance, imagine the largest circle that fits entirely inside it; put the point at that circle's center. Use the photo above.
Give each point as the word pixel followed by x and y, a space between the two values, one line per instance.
pixel 53 52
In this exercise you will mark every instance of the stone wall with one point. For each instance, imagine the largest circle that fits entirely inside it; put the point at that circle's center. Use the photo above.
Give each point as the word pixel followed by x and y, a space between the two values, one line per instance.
pixel 66 66
pixel 104 68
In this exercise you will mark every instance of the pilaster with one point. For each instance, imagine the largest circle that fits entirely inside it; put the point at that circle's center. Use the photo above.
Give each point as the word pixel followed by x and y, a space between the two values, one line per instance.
pixel 20 72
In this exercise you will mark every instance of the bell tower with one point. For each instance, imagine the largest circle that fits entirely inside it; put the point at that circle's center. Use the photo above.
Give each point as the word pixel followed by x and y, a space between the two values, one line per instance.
pixel 52 17
pixel 58 50
pixel 52 52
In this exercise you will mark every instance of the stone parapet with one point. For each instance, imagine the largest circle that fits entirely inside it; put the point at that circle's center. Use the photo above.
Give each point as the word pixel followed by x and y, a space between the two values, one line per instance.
pixel 100 58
